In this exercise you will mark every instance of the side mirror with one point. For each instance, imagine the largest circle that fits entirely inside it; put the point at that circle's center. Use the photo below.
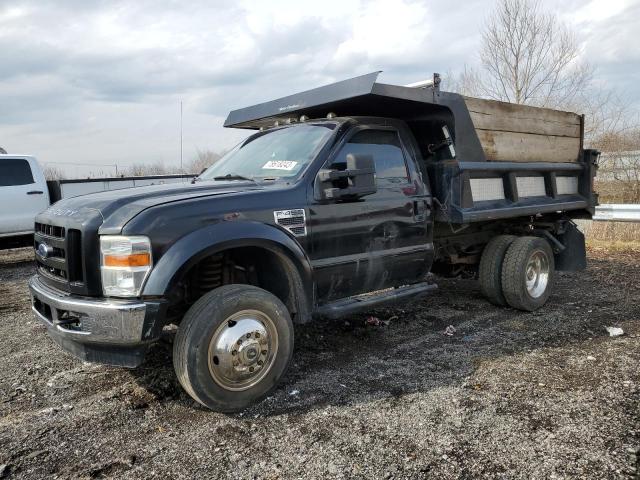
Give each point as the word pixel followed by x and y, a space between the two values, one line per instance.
pixel 358 180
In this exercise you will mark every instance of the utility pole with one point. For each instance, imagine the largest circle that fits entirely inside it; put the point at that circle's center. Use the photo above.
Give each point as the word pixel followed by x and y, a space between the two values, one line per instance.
pixel 181 138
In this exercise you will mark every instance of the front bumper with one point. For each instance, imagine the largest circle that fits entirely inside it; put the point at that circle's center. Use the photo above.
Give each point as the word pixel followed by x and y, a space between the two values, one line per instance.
pixel 111 331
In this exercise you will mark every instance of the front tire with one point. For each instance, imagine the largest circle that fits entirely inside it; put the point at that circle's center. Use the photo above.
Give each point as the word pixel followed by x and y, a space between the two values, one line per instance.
pixel 528 273
pixel 233 347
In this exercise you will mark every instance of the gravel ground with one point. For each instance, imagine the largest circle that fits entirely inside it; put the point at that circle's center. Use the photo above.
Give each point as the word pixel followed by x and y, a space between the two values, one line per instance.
pixel 508 395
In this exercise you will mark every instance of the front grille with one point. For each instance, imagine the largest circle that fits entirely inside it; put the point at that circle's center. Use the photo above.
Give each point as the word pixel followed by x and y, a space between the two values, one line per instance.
pixel 61 256
pixel 50 230
pixel 46 270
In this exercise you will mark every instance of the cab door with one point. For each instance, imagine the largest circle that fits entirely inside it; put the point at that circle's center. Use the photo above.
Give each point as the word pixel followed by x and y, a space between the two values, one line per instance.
pixel 23 194
pixel 377 241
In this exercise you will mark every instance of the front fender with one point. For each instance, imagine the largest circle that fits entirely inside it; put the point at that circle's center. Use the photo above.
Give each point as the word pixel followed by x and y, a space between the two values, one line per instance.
pixel 211 239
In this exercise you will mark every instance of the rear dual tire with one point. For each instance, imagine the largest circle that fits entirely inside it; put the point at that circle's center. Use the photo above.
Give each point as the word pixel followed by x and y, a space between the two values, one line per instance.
pixel 490 270
pixel 517 271
pixel 528 272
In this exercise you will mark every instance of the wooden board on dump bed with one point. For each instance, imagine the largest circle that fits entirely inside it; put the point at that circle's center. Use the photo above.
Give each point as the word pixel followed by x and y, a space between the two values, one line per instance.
pixel 520 133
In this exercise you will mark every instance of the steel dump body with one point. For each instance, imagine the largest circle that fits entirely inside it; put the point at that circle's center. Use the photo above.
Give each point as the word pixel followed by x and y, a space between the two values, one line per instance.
pixel 510 160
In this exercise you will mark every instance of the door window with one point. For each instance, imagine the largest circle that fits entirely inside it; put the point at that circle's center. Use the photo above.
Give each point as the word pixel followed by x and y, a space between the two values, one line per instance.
pixel 387 153
pixel 15 171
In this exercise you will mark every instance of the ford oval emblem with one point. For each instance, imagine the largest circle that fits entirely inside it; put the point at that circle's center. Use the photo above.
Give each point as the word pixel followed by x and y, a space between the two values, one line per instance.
pixel 45 250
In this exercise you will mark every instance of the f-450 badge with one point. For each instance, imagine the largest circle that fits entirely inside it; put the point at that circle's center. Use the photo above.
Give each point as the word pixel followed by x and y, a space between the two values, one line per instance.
pixel 293 221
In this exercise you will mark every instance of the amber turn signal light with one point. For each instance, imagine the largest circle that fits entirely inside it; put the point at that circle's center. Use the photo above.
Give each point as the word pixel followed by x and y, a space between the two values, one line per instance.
pixel 133 260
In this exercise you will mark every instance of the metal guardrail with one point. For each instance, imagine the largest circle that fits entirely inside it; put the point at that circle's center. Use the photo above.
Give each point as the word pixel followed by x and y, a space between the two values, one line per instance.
pixel 617 213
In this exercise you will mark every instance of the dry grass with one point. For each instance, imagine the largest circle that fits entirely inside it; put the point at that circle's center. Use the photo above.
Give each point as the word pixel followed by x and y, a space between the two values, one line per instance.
pixel 615 191
pixel 632 247
pixel 613 235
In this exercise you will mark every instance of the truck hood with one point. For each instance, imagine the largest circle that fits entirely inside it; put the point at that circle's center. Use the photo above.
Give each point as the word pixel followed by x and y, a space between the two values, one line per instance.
pixel 118 206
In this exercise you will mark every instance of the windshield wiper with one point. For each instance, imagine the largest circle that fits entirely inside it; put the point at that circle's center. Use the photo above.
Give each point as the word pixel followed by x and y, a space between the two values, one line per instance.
pixel 233 176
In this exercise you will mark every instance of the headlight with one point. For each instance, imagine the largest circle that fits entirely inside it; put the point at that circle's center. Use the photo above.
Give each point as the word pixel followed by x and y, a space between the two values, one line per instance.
pixel 125 263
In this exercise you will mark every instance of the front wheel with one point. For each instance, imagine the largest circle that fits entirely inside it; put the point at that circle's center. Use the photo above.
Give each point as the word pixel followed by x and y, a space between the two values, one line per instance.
pixel 233 346
pixel 528 271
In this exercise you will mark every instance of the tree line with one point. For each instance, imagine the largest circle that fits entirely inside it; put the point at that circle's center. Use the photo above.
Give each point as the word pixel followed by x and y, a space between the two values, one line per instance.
pixel 202 160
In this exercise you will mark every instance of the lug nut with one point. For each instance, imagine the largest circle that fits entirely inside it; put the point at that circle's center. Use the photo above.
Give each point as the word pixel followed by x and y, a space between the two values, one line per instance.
pixel 264 352
pixel 251 369
pixel 257 334
pixel 260 362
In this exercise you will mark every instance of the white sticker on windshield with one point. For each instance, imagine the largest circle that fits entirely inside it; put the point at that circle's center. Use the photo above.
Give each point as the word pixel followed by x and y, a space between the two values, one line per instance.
pixel 280 165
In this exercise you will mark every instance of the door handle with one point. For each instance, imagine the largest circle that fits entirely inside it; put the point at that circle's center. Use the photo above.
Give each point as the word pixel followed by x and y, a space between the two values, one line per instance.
pixel 35 192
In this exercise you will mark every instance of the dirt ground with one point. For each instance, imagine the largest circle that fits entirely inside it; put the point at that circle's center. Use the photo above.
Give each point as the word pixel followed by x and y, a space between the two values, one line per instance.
pixel 508 395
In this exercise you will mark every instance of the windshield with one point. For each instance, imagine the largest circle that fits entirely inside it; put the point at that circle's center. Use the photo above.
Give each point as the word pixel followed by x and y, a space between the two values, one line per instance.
pixel 273 154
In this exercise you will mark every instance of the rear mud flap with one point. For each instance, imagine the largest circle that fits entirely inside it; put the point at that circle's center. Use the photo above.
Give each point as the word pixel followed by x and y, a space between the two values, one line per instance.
pixel 574 256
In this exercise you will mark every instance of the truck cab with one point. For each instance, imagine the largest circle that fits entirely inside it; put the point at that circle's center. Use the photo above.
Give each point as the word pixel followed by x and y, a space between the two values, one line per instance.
pixel 23 194
pixel 310 216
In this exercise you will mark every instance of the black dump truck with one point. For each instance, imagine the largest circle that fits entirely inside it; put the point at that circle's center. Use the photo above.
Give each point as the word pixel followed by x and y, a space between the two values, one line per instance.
pixel 344 198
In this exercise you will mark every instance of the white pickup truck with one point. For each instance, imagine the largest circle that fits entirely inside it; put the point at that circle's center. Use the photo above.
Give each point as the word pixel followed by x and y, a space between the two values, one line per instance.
pixel 25 192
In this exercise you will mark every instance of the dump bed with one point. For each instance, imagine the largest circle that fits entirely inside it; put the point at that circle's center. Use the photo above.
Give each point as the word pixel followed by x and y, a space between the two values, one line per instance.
pixel 521 133
pixel 505 160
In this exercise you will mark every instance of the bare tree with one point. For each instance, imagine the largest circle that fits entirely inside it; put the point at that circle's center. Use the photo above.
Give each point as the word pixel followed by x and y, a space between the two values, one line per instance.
pixel 618 179
pixel 53 173
pixel 142 169
pixel 607 116
pixel 204 159
pixel 529 57
pixel 466 83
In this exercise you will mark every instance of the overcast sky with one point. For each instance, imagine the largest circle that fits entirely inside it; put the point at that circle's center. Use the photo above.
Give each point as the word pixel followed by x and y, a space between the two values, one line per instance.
pixel 100 82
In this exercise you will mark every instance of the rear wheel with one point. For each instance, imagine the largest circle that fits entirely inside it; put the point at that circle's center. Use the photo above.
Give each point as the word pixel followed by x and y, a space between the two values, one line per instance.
pixel 233 346
pixel 490 270
pixel 528 272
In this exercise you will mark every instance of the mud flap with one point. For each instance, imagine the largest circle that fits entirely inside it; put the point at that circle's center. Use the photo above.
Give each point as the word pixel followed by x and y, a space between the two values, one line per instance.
pixel 573 257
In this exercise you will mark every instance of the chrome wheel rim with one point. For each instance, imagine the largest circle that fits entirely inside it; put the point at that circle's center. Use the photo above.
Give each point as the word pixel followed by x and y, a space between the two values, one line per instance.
pixel 242 350
pixel 537 274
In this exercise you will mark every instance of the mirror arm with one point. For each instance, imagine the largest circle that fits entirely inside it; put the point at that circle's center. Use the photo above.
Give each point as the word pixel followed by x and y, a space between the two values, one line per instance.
pixel 349 192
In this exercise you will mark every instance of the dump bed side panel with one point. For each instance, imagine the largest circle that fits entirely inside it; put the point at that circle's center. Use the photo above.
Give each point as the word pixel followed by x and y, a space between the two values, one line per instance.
pixel 521 133
pixel 483 191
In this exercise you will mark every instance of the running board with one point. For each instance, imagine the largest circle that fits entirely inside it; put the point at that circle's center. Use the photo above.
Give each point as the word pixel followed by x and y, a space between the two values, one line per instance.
pixel 348 306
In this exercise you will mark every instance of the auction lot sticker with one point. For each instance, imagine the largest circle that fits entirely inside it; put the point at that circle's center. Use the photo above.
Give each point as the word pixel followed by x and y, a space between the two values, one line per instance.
pixel 279 165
